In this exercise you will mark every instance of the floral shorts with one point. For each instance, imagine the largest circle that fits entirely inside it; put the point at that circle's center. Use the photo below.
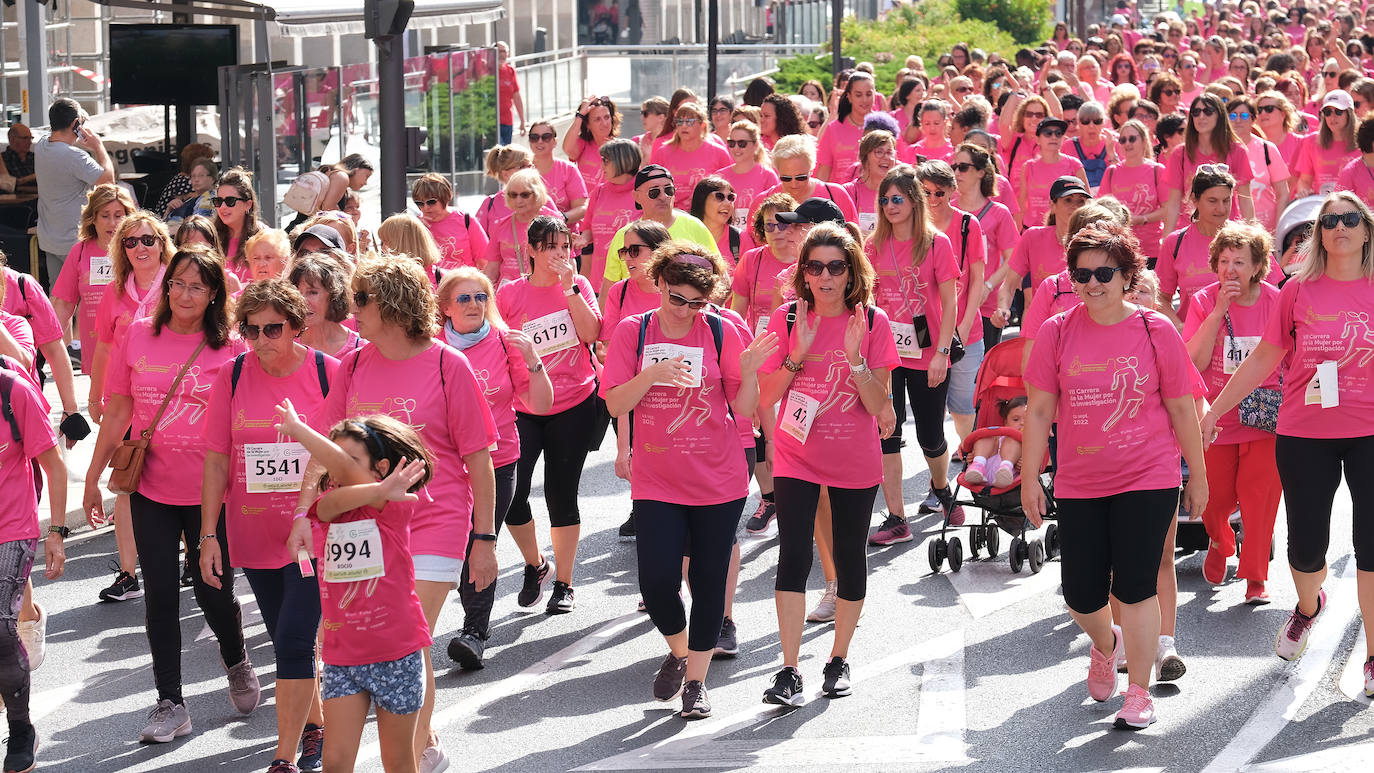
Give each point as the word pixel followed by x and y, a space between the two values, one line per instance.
pixel 396 686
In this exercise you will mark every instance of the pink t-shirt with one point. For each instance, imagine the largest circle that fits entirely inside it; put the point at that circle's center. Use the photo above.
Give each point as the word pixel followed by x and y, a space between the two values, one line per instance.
pixel 572 370
pixel 79 286
pixel 905 291
pixel 354 341
pixel 1037 176
pixel 680 433
pixel 1187 272
pixel 450 415
pixel 755 280
pixel 1178 176
pixel 143 366
pixel 509 246
pixel 1006 196
pixel 501 374
pixel 1323 164
pixel 937 152
pixel 866 202
pixel 1039 253
pixel 833 191
pixel 1288 148
pixel 976 254
pixel 610 208
pixel 999 229
pixel 31 303
pixel 1267 167
pixel 589 163
pixel 461 240
pixel 838 148
pixel 1016 149
pixel 1357 176
pixel 1110 382
pixel 1335 320
pixel 19 516
pixel 376 620
pixel 689 166
pixel 842 447
pixel 260 522
pixel 1248 323
pixel 565 184
pixel 1054 295
pixel 1138 187
pixel 117 310
pixel 749 188
pixel 22 332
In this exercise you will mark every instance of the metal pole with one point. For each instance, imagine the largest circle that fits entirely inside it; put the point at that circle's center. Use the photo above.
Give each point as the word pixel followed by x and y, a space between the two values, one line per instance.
pixel 836 16
pixel 392 111
pixel 712 46
pixel 266 145
pixel 35 37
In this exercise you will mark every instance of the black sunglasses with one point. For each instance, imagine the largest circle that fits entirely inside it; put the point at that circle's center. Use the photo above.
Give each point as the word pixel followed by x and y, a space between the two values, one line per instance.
pixel 1331 110
pixel 801 178
pixel 251 332
pixel 426 202
pixel 1268 108
pixel 814 124
pixel 1330 219
pixel 545 137
pixel 666 190
pixel 739 143
pixel 777 228
pixel 631 250
pixel 1090 121
pixel 835 267
pixel 678 300
pixel 964 166
pixel 939 194
pixel 361 298
pixel 227 201
pixel 147 240
pixel 1103 274
pixel 1052 132
pixel 723 196
pixel 1202 110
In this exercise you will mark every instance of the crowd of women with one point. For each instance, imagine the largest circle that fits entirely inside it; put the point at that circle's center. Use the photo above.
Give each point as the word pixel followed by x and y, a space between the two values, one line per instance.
pixel 789 273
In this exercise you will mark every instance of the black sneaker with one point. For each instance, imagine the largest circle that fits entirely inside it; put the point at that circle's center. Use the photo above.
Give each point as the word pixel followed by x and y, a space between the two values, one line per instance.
pixel 312 748
pixel 124 587
pixel 561 600
pixel 188 577
pixel 627 529
pixel 836 674
pixel 536 577
pixel 728 643
pixel 786 689
pixel 758 522
pixel 668 680
pixel 931 503
pixel 695 704
pixel 466 649
pixel 20 747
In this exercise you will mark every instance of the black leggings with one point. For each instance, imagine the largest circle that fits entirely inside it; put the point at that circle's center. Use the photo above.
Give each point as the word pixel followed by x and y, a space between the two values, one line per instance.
pixel 664 531
pixel 1112 545
pixel 562 440
pixel 1310 470
pixel 927 405
pixel 290 606
pixel 850 511
pixel 158 531
pixel 992 334
pixel 477 604
pixel 16 561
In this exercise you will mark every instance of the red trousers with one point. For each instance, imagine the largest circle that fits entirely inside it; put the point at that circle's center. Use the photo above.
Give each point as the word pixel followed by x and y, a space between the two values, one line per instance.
pixel 1243 474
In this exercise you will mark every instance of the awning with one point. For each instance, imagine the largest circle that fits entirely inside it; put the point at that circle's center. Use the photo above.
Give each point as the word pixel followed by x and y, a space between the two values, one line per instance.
pixel 308 18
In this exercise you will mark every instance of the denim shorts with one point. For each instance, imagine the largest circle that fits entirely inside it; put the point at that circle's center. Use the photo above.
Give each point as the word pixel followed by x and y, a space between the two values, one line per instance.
pixel 962 377
pixel 396 686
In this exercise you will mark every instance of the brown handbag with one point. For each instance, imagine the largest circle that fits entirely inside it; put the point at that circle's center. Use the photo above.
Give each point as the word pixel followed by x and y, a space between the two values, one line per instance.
pixel 126 465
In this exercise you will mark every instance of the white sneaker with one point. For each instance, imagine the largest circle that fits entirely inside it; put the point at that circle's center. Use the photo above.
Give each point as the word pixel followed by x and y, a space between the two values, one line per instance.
pixel 1168 665
pixel 825 608
pixel 34 635
pixel 433 760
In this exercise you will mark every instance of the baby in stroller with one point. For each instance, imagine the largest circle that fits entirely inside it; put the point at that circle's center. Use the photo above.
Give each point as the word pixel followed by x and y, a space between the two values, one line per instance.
pixel 999 454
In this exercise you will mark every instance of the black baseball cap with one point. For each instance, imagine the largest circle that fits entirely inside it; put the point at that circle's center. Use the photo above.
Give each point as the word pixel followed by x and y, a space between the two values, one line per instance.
pixel 1067 186
pixel 651 172
pixel 324 233
pixel 813 210
pixel 1051 123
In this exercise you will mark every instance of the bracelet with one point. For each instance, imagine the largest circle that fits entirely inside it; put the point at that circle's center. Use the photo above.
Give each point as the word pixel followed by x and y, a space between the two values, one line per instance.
pixel 300 513
pixel 791 366
pixel 202 539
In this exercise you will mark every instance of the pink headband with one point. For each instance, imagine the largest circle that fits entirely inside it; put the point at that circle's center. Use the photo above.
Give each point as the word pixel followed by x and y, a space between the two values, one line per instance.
pixel 694 260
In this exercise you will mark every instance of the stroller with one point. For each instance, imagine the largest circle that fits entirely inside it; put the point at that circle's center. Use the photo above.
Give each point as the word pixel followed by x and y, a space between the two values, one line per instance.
pixel 999 378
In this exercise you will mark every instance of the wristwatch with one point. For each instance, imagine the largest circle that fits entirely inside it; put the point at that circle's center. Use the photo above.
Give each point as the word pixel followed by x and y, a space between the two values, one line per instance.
pixel 61 531
pixel 576 289
pixel 943 350
pixel 484 537
pixel 862 367
pixel 537 367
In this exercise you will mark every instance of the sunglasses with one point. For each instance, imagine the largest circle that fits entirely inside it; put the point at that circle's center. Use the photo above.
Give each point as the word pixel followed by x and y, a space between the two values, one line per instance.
pixel 226 201
pixel 964 166
pixel 776 227
pixel 883 201
pixel 963 90
pixel 678 300
pixel 1090 121
pixel 1330 74
pixel 800 178
pixel 666 190
pixel 1051 133
pixel 1103 274
pixel 464 299
pixel 935 194
pixel 739 143
pixel 1243 115
pixel 147 240
pixel 835 267
pixel 1329 111
pixel 1349 219
pixel 1038 116
pixel 1268 108
pixel 426 202
pixel 545 137
pixel 1169 92
pixel 1187 66
pixel 686 121
pixel 723 196
pixel 1213 169
pixel 272 331
pixel 1202 110
pixel 814 124
pixel 631 250
pixel 1129 139
pixel 361 298
pixel 519 194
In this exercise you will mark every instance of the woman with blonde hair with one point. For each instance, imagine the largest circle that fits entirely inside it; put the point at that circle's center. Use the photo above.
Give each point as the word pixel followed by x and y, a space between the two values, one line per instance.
pixel 88 269
pixel 688 154
pixel 507 255
pixel 268 252
pixel 1278 120
pixel 502 161
pixel 405 234
pixel 751 173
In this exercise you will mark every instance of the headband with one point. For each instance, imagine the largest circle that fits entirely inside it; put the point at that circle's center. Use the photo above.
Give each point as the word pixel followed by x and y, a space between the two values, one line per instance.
pixel 693 260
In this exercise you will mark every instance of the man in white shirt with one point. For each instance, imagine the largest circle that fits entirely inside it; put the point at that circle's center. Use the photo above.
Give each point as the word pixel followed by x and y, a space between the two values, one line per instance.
pixel 66 173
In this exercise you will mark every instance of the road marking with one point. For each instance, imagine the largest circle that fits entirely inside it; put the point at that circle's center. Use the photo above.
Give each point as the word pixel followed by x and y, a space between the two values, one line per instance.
pixel 1337 759
pixel 942 717
pixel 987 586
pixel 1352 679
pixel 700 744
pixel 1298 681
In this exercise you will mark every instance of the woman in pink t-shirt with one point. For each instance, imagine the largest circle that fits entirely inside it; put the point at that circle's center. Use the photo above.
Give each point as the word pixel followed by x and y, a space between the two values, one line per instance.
pixel 713 203
pixel 975 180
pixel 677 362
pixel 751 173
pixel 88 269
pixel 610 208
pixel 1039 173
pixel 1039 253
pixel 1358 174
pixel 178 351
pixel 405 234
pixel 236 217
pixel 596 122
pixel 754 278
pixel 1324 152
pixel 1207 139
pixel 1017 122
pixel 1120 382
pixel 1136 182
pixel 830 378
pixel 501 162
pixel 639 293
pixel 1279 122
pixel 507 256
pixel 1269 187
pixel 838 146
pixel 688 154
pixel 567 189
pixel 507 368
pixel 322 279
pixel 1185 255
pixel 556 307
pixel 932 118
pixel 460 237
pixel 877 156
pixel 1226 321
pixel 252 477
pixel 1321 332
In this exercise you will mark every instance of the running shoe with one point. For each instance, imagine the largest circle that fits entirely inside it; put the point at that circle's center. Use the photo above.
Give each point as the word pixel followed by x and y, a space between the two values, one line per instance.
pixel 1292 638
pixel 668 680
pixel 695 703
pixel 561 600
pixel 1138 712
pixel 1168 665
pixel 536 577
pixel 825 608
pixel 312 747
pixel 1102 668
pixel 1255 593
pixel 1369 678
pixel 166 721
pixel 931 504
pixel 21 747
pixel 124 587
pixel 34 635
pixel 836 678
pixel 433 760
pixel 894 529
pixel 188 574
pixel 955 511
pixel 727 645
pixel 1214 565
pixel 786 689
pixel 1005 476
pixel 244 690
pixel 283 766
pixel 466 649
pixel 764 515
pixel 627 529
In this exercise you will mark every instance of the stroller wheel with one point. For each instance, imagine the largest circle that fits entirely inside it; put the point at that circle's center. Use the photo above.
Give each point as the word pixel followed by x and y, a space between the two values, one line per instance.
pixel 1037 556
pixel 956 554
pixel 1014 554
pixel 975 537
pixel 936 553
pixel 1052 540
pixel 990 538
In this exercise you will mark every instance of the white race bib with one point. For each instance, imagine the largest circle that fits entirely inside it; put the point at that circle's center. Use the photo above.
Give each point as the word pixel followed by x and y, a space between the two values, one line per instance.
pixel 868 221
pixel 353 551
pixel 552 332
pixel 799 414
pixel 1323 389
pixel 102 270
pixel 272 467
pixel 691 357
pixel 1236 350
pixel 761 326
pixel 904 335
pixel 740 218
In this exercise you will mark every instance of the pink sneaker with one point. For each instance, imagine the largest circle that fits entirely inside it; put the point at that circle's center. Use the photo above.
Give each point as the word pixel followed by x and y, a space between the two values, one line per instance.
pixel 977 472
pixel 1138 712
pixel 1102 668
pixel 1005 475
